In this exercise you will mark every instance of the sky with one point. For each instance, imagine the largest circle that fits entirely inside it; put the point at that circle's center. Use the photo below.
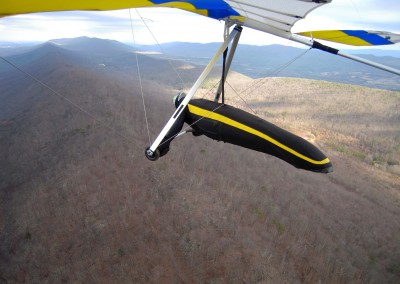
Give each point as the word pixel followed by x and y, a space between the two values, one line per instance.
pixel 152 25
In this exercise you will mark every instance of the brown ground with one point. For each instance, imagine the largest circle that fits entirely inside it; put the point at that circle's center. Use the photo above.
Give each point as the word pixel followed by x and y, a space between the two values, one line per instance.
pixel 81 204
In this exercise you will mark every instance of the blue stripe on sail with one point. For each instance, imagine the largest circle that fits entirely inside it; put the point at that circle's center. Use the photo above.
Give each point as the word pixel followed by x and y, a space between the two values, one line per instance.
pixel 217 9
pixel 373 39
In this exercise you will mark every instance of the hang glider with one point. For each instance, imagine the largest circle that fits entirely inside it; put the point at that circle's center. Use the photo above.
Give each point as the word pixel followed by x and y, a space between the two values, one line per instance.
pixel 270 16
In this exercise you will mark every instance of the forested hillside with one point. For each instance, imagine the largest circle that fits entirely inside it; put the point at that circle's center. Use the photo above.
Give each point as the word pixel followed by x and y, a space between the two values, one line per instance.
pixel 79 202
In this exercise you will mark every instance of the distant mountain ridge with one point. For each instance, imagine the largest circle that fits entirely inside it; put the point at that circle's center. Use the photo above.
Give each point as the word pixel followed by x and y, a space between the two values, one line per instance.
pixel 101 56
pixel 93 46
pixel 268 61
pixel 252 61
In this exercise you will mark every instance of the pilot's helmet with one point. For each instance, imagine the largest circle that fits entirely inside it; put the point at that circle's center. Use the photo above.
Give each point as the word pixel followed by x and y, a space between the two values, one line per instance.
pixel 177 100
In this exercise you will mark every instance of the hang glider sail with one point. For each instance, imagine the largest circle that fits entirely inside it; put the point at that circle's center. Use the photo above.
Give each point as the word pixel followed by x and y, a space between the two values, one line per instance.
pixel 252 13
pixel 270 16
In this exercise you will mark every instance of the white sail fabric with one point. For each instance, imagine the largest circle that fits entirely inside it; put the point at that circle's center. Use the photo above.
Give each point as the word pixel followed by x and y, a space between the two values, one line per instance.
pixel 274 16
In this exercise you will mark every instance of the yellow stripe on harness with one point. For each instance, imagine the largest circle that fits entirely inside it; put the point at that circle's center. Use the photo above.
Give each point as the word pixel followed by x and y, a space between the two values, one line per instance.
pixel 218 117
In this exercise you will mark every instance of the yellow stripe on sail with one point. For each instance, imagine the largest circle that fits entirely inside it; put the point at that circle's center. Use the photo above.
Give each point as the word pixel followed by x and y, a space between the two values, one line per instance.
pixel 16 7
pixel 336 36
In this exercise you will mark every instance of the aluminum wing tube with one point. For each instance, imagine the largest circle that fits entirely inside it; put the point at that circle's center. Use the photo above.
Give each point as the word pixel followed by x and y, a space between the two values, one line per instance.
pixel 317 45
pixel 331 50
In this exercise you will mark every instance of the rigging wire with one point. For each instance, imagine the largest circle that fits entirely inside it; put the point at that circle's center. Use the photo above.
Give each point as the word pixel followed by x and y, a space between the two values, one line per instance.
pixel 66 99
pixel 187 128
pixel 240 97
pixel 355 7
pixel 140 78
pixel 162 50
pixel 137 61
pixel 262 81
pixel 245 92
pixel 279 69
